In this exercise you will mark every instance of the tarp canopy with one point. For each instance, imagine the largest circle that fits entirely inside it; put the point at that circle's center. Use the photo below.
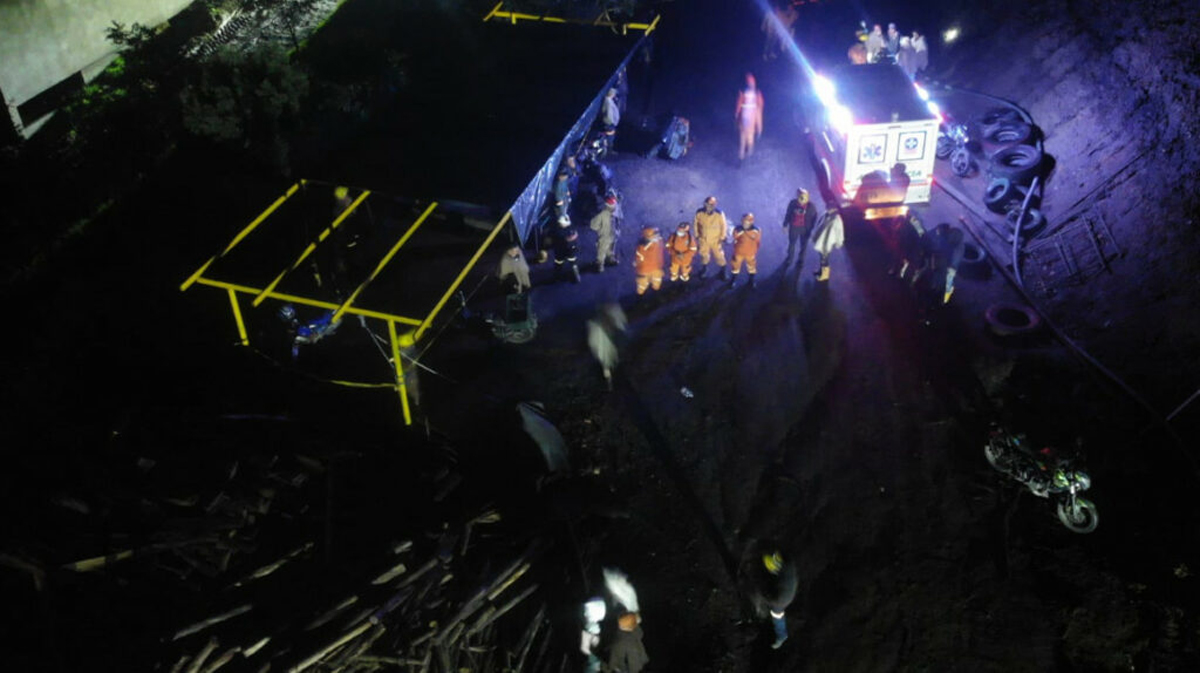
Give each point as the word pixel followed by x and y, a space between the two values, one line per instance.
pixel 483 106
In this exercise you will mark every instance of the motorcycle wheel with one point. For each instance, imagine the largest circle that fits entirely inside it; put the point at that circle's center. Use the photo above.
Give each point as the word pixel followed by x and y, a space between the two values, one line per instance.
pixel 945 147
pixel 997 459
pixel 961 163
pixel 1083 519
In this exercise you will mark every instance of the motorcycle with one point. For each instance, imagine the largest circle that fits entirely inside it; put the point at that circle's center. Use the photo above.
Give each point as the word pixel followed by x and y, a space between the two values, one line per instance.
pixel 952 143
pixel 1047 474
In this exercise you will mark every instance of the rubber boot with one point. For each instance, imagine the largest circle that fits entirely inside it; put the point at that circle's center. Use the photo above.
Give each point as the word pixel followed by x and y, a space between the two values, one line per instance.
pixel 732 279
pixel 702 273
pixel 753 281
pixel 724 274
pixel 575 273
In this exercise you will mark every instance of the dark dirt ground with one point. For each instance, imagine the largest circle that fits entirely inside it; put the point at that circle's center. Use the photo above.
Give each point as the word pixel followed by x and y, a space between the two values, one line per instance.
pixel 827 416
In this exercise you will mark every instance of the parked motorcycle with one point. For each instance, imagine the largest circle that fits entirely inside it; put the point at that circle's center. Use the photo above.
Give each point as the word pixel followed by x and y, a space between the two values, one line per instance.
pixel 1047 474
pixel 952 144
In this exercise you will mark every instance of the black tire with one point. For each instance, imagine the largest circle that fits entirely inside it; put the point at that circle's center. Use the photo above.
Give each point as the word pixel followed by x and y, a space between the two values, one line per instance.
pixel 1033 222
pixel 945 147
pixel 961 162
pixel 1084 519
pixel 1007 320
pixel 997 115
pixel 1000 194
pixel 973 255
pixel 1018 163
pixel 1010 133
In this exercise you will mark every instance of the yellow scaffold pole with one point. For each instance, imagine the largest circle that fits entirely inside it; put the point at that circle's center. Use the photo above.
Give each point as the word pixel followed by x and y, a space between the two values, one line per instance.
pixel 399 363
pixel 241 235
pixel 458 281
pixel 307 301
pixel 311 247
pixel 237 316
pixel 384 262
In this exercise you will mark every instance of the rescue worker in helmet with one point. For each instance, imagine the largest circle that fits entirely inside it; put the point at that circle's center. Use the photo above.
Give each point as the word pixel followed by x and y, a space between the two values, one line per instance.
pixel 769 576
pixel 749 116
pixel 606 234
pixel 562 193
pixel 648 261
pixel 829 235
pixel 746 241
pixel 682 245
pixel 565 242
pixel 798 222
pixel 712 230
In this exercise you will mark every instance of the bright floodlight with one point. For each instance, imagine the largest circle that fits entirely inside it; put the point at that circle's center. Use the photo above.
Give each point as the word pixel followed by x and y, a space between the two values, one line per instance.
pixel 933 107
pixel 840 117
pixel 950 35
pixel 825 91
pixel 922 92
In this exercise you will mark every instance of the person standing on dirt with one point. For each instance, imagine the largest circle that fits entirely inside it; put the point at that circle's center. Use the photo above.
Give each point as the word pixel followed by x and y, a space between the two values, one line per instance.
pixel 945 251
pixel 712 230
pixel 891 43
pixel 622 87
pixel 909 235
pixel 907 58
pixel 604 333
pixel 746 241
pixel 606 234
pixel 921 50
pixel 648 261
pixel 628 654
pixel 683 246
pixel 565 243
pixel 771 580
pixel 829 235
pixel 798 222
pixel 611 113
pixel 875 44
pixel 513 264
pixel 562 194
pixel 749 117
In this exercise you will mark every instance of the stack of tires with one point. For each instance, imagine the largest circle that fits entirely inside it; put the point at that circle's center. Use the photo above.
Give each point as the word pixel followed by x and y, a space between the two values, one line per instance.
pixel 1013 162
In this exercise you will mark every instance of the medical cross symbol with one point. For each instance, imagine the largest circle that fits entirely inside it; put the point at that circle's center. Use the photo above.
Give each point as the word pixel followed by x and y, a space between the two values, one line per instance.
pixel 910 144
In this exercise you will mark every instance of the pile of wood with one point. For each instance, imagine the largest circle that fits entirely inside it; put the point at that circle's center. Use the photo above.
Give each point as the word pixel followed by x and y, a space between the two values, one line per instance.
pixel 441 608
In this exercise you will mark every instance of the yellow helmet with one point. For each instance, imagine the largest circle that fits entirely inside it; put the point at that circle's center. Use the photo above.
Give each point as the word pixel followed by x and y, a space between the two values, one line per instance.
pixel 341 192
pixel 773 562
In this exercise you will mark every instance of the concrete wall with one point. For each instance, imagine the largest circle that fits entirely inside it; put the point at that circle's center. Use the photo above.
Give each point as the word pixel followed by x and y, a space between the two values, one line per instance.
pixel 42 42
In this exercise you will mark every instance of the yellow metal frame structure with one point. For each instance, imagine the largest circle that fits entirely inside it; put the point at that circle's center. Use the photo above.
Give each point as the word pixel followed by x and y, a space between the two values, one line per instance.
pixel 415 328
pixel 499 13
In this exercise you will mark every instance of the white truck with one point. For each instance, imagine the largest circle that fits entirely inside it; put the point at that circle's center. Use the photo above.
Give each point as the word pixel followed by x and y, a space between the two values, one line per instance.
pixel 875 134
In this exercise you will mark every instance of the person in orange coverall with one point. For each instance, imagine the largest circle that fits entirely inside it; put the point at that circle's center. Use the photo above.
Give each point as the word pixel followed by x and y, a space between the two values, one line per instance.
pixel 746 240
pixel 749 116
pixel 648 260
pixel 682 246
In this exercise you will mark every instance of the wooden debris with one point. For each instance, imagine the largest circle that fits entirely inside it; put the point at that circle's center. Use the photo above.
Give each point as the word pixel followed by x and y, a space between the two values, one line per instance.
pixel 216 619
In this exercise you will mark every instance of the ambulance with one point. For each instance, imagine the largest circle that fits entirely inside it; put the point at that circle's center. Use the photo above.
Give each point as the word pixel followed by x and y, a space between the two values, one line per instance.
pixel 875 133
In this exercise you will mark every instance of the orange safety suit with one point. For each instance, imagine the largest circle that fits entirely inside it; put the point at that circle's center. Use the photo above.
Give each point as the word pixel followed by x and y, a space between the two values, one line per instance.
pixel 746 241
pixel 711 231
pixel 682 246
pixel 648 263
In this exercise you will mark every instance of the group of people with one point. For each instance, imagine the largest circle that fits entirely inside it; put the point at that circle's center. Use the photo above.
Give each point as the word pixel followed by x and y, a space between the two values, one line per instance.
pixel 910 52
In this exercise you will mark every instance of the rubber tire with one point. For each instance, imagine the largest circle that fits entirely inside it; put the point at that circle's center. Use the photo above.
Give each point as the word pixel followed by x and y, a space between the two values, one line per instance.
pixel 995 459
pixel 974 256
pixel 945 147
pixel 1018 163
pixel 1000 328
pixel 961 163
pixel 996 116
pixel 1012 133
pixel 1089 516
pixel 999 194
pixel 1033 222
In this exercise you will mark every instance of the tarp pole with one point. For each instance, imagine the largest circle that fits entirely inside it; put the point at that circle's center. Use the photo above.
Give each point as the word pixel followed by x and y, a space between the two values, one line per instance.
pixel 384 262
pixel 399 363
pixel 237 316
pixel 458 281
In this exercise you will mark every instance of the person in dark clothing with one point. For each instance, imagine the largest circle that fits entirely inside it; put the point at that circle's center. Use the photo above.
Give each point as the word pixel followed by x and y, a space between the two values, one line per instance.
pixel 772 584
pixel 565 243
pixel 562 194
pixel 628 654
pixel 798 223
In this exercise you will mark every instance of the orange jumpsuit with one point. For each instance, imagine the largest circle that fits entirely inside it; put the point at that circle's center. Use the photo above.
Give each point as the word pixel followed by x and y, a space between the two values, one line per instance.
pixel 746 241
pixel 711 230
pixel 682 246
pixel 648 263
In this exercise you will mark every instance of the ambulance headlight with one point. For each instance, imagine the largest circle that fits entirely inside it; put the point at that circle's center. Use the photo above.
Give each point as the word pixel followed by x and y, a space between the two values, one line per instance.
pixel 825 91
pixel 840 118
